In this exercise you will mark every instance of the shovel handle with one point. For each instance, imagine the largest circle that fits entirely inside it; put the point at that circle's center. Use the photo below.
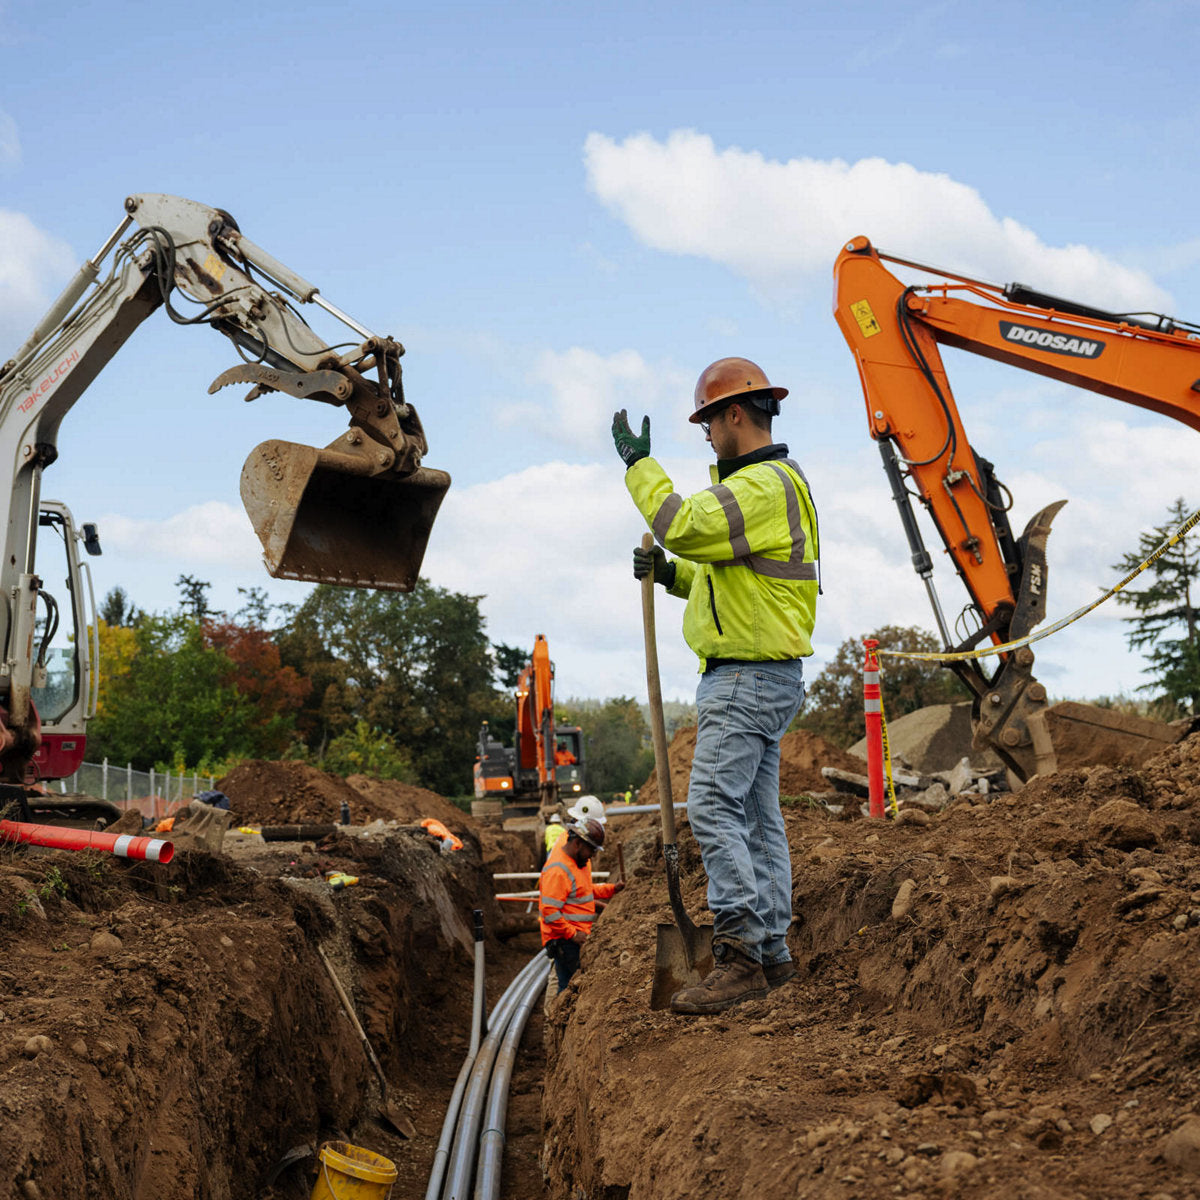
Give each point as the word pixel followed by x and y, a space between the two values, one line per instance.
pixel 658 728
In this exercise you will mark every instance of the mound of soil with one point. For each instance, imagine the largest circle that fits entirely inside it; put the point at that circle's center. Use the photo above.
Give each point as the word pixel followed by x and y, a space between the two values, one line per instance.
pixel 801 757
pixel 408 803
pixel 995 1000
pixel 288 793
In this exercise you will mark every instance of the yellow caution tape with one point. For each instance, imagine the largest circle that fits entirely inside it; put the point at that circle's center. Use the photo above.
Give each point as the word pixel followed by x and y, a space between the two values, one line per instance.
pixel 989 651
pixel 887 753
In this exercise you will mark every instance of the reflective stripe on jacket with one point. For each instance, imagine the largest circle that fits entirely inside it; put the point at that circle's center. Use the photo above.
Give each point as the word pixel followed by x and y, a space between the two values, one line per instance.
pixel 567 898
pixel 747 557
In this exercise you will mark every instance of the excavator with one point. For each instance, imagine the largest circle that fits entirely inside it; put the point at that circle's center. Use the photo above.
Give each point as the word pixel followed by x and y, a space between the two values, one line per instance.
pixel 545 764
pixel 357 512
pixel 894 330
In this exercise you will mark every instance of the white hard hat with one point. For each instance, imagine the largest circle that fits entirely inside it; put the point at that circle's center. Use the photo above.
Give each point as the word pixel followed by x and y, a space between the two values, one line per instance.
pixel 555 820
pixel 587 808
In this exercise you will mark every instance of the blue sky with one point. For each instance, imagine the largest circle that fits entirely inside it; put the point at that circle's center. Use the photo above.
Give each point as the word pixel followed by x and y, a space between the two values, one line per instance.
pixel 562 209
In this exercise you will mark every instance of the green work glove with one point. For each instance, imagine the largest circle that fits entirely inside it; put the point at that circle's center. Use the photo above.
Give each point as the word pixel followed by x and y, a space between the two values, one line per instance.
pixel 630 447
pixel 645 561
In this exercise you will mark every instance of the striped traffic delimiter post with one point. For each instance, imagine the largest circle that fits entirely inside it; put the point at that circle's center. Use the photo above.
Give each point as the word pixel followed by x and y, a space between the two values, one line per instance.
pixel 873 715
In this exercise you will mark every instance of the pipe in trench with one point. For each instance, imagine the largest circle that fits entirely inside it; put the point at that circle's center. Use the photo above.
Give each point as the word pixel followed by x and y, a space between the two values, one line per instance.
pixel 479 996
pixel 466 1138
pixel 491 1141
pixel 59 837
pixel 499 1019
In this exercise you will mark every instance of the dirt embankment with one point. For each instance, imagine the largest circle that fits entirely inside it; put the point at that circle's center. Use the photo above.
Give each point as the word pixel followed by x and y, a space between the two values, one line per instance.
pixel 170 1032
pixel 801 757
pixel 998 1001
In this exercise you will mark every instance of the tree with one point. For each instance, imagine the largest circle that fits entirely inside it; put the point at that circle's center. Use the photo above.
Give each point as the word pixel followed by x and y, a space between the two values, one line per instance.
pixel 275 692
pixel 174 704
pixel 117 609
pixel 417 666
pixel 193 596
pixel 617 754
pixel 1164 607
pixel 362 750
pixel 834 708
pixel 510 662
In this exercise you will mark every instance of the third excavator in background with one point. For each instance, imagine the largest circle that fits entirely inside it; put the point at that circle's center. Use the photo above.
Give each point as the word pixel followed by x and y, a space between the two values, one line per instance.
pixel 894 330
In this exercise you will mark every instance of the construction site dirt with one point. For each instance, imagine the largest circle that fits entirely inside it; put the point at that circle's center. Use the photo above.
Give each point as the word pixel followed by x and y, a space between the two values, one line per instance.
pixel 997 998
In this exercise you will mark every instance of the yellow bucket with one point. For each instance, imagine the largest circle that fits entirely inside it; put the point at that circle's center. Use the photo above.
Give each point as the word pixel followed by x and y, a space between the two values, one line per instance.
pixel 351 1173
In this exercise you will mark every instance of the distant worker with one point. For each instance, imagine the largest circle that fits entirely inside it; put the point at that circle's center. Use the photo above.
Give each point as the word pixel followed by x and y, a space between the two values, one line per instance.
pixel 627 798
pixel 567 896
pixel 555 832
pixel 746 561
pixel 563 756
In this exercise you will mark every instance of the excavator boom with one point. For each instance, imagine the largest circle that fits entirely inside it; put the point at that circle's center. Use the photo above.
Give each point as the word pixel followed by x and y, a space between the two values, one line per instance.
pixel 358 511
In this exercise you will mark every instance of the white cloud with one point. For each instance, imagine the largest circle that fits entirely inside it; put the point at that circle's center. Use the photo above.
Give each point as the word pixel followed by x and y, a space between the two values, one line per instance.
pixel 779 224
pixel 586 388
pixel 33 262
pixel 213 534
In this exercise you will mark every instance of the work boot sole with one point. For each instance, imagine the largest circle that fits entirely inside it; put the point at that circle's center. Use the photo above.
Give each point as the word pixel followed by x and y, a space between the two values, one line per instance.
pixel 698 1008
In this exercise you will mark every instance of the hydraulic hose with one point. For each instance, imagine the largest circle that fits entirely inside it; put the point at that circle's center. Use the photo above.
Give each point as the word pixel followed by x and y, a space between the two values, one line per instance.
pixel 491 1142
pixel 466 1138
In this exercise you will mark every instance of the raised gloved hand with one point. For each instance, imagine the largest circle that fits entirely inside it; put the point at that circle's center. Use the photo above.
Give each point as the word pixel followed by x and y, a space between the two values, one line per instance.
pixel 645 561
pixel 630 447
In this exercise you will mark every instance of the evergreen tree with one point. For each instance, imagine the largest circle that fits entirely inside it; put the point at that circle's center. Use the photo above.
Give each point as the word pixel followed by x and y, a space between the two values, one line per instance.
pixel 1165 625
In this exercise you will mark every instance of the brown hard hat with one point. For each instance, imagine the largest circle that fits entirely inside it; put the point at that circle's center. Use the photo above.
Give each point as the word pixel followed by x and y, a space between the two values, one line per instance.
pixel 727 379
pixel 589 831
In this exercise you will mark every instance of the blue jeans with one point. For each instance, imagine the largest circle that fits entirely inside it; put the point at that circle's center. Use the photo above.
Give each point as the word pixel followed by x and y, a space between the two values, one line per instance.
pixel 733 802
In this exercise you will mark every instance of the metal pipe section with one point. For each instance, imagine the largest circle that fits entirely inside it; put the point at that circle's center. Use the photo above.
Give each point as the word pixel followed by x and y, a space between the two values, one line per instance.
pixel 491 1141
pixel 479 995
pixel 466 1138
pixel 442 1156
pixel 123 845
pixel 624 810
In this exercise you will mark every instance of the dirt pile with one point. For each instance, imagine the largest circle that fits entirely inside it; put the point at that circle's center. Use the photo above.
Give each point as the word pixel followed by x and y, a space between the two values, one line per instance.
pixel 996 1000
pixel 286 793
pixel 801 757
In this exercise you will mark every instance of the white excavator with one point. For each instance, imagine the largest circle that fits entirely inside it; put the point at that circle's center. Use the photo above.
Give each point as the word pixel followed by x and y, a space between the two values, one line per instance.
pixel 357 513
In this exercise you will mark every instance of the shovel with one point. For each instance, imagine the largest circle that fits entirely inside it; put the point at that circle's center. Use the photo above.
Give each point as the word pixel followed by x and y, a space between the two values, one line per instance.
pixel 389 1111
pixel 683 955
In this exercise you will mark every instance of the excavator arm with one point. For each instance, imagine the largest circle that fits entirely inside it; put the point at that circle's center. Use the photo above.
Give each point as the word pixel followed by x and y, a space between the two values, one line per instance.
pixel 894 331
pixel 358 512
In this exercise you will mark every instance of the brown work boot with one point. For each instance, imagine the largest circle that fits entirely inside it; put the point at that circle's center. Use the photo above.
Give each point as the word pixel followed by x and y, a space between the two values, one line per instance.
pixel 777 974
pixel 735 978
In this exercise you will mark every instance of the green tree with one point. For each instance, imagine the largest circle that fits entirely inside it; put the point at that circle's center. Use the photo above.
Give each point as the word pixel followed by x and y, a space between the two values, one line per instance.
pixel 510 662
pixel 362 750
pixel 617 753
pixel 174 704
pixel 1165 624
pixel 834 708
pixel 417 666
pixel 117 609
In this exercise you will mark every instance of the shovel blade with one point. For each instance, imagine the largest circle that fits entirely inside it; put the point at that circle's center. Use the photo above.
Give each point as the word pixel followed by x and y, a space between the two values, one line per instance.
pixel 680 960
pixel 322 518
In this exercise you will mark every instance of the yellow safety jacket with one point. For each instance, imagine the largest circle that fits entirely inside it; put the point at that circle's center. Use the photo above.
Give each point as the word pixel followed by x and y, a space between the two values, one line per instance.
pixel 747 552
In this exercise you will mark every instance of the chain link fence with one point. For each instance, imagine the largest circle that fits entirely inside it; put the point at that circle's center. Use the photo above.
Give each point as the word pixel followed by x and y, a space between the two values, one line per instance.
pixel 154 793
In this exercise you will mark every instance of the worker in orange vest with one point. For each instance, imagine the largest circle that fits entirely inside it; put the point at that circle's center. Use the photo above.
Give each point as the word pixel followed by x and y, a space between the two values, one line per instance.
pixel 567 897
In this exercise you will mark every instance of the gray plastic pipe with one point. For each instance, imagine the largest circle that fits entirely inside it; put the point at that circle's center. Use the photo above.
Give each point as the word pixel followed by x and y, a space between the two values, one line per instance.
pixel 491 1142
pixel 499 1020
pixel 466 1137
pixel 479 998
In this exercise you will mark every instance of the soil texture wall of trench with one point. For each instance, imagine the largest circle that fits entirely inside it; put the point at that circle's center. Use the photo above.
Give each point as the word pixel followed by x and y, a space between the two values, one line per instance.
pixel 999 999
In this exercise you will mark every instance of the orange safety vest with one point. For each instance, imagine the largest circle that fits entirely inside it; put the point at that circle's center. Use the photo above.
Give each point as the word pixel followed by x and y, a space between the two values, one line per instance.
pixel 567 898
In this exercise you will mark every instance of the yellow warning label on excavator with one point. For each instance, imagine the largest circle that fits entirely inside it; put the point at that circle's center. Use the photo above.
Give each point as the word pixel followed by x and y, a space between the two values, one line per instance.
pixel 215 268
pixel 865 318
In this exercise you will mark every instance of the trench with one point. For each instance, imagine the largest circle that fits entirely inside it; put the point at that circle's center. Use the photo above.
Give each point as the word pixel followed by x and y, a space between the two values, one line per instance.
pixel 172 1031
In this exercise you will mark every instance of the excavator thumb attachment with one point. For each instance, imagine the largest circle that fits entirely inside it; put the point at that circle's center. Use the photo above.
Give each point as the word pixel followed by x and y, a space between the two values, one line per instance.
pixel 331 517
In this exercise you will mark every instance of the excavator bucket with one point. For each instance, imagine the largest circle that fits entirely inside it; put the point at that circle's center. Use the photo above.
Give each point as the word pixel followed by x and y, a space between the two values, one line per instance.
pixel 323 517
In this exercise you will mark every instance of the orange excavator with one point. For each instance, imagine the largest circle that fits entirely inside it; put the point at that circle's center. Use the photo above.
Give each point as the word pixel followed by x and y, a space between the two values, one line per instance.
pixel 894 330
pixel 546 762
